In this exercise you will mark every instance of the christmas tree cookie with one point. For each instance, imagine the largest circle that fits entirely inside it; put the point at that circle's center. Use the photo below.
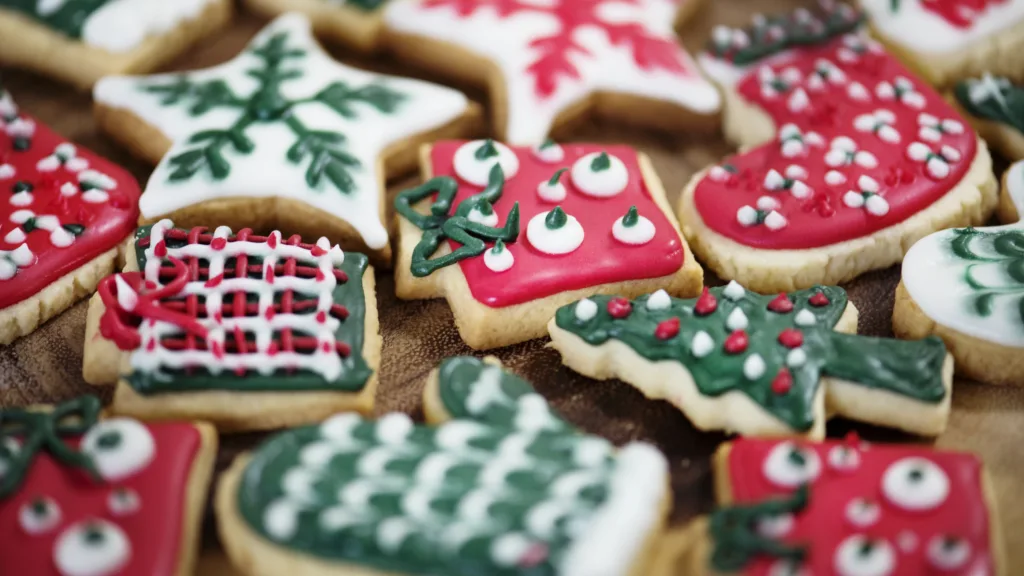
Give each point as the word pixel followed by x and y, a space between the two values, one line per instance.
pixel 547 64
pixel 82 495
pixel 280 138
pixel 758 365
pixel 494 484
pixel 507 234
pixel 246 331
pixel 65 214
pixel 947 40
pixel 80 41
pixel 966 285
pixel 995 107
pixel 358 24
pixel 848 158
pixel 847 508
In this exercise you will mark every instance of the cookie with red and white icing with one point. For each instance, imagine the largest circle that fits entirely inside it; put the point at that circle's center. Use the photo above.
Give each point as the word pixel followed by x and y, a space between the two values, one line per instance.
pixel 853 157
pixel 242 330
pixel 949 40
pixel 64 213
pixel 509 233
pixel 848 508
pixel 546 62
pixel 79 41
pixel 87 496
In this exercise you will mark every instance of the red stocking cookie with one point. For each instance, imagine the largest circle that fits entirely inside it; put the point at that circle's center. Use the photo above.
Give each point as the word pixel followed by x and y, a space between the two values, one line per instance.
pixel 86 496
pixel 64 213
pixel 856 158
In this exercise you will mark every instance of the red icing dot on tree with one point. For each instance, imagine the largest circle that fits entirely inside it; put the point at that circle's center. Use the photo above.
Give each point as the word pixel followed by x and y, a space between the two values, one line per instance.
pixel 781 304
pixel 218 243
pixel 819 300
pixel 736 342
pixel 619 308
pixel 783 381
pixel 667 329
pixel 706 304
pixel 791 338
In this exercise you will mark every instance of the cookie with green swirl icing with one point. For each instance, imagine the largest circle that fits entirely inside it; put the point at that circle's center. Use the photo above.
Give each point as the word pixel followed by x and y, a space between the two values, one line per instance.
pixel 756 365
pixel 495 483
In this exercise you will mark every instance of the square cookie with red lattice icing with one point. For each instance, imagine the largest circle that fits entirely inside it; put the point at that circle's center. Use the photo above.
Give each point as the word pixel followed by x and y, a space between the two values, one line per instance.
pixel 243 330
pixel 80 41
pixel 83 495
pixel 65 214
pixel 510 233
pixel 848 508
pixel 848 157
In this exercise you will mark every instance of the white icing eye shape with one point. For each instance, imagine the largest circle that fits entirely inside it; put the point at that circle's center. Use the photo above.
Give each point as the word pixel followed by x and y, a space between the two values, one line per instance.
pixel 789 465
pixel 859 555
pixel 600 174
pixel 91 548
pixel 861 512
pixel 843 458
pixel 554 232
pixel 123 501
pixel 948 552
pixel 915 484
pixel 633 229
pixel 473 161
pixel 39 515
pixel 498 258
pixel 119 447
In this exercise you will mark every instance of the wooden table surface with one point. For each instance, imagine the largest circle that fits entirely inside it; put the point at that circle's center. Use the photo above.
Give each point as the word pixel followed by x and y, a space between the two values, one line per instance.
pixel 46 366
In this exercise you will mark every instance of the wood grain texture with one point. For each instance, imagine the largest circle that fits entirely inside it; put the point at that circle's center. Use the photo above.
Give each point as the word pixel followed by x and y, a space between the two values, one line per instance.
pixel 46 366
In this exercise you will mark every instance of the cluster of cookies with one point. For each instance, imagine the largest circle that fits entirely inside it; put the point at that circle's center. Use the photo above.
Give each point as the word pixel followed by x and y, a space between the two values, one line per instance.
pixel 855 156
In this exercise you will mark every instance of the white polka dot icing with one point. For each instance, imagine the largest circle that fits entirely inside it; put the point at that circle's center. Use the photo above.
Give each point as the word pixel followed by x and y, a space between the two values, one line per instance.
pixel 733 291
pixel 39 515
pixel 473 161
pixel 753 367
pixel 862 513
pixel 498 258
pixel 805 318
pixel 775 526
pixel 737 320
pixel 123 501
pixel 600 174
pixel 633 229
pixel 843 458
pixel 554 232
pixel 915 484
pixel 660 300
pixel 702 344
pixel 91 548
pixel 549 152
pixel 948 552
pixel 487 216
pixel 789 465
pixel 796 358
pixel 859 555
pixel 119 447
pixel 586 309
pixel 552 189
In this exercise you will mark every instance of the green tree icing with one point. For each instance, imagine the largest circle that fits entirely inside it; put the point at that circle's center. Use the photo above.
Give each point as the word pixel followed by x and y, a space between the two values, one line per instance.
pixel 504 488
pixel 68 18
pixel 789 380
pixel 323 151
pixel 993 98
pixel 737 541
pixel 440 224
pixel 1005 249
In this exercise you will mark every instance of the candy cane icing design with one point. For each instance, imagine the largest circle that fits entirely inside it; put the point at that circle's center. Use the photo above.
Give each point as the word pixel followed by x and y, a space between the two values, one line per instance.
pixel 942 26
pixel 237 311
pixel 552 55
pixel 86 497
pixel 861 144
pixel 849 508
pixel 505 487
pixel 60 205
pixel 280 120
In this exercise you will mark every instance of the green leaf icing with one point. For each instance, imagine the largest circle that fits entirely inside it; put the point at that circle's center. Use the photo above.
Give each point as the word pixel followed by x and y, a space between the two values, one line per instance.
pixel 439 225
pixel 912 369
pixel 556 218
pixel 993 98
pixel 737 541
pixel 504 488
pixel 68 18
pixel 323 152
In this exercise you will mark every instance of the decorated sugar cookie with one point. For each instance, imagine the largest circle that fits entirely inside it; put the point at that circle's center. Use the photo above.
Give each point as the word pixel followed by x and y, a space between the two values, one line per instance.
pixel 948 40
pixel 358 24
pixel 995 106
pixel 510 233
pixel 966 285
pixel 65 213
pixel 758 365
pixel 847 508
pixel 80 41
pixel 243 330
pixel 547 63
pixel 495 484
pixel 82 495
pixel 282 137
pixel 848 157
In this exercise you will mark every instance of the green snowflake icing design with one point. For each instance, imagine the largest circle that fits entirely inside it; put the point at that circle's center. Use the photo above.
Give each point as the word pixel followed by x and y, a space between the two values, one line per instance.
pixel 67 16
pixel 323 150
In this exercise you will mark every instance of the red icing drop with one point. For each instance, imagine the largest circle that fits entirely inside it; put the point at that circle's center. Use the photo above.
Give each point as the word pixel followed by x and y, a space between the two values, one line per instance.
pixel 783 382
pixel 781 304
pixel 791 338
pixel 619 308
pixel 218 243
pixel 706 303
pixel 667 329
pixel 960 13
pixel 818 300
pixel 736 342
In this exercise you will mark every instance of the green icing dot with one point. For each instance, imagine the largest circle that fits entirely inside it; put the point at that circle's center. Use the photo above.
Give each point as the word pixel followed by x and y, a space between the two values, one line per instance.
pixel 556 218
pixel 109 440
pixel 556 176
pixel 94 535
pixel 631 217
pixel 601 163
pixel 499 247
pixel 486 150
pixel 38 506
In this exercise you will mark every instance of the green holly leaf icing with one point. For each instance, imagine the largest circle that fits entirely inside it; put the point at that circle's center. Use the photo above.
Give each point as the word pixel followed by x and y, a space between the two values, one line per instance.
pixel 504 488
pixel 912 369
pixel 993 98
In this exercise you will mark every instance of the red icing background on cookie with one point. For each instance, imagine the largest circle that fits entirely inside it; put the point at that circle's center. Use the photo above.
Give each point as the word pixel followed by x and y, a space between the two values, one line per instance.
pixel 831 110
pixel 601 259
pixel 105 223
pixel 154 530
pixel 824 523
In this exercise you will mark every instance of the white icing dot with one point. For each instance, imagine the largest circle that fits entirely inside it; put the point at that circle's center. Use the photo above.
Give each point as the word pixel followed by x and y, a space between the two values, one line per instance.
pixel 737 320
pixel 907 541
pixel 915 484
pixel 775 221
pixel 48 164
pixel 746 216
pixel 660 300
pixel 551 192
pixel 475 170
pixel 76 164
pixel 65 150
pixel 123 501
pixel 549 152
pixel 862 513
pixel 753 367
pixel 796 358
pixel 119 447
pixel 280 519
pixel 498 261
pixel 99 196
pixel 775 526
pixel 61 238
pixel 876 205
pixel 859 556
pixel 835 178
pixel 508 549
pixel 39 516
pixel 7 269
pixel 789 465
pixel 6 171
pixel 702 344
pixel 733 291
pixel 91 548
pixel 392 429
pixel 798 101
pixel 22 199
pixel 586 309
pixel 558 241
pixel 476 215
pixel 15 236
pixel 805 318
pixel 767 203
pixel 853 199
pixel 638 234
pixel 601 182
pixel 948 553
pixel 68 189
pixel 843 458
